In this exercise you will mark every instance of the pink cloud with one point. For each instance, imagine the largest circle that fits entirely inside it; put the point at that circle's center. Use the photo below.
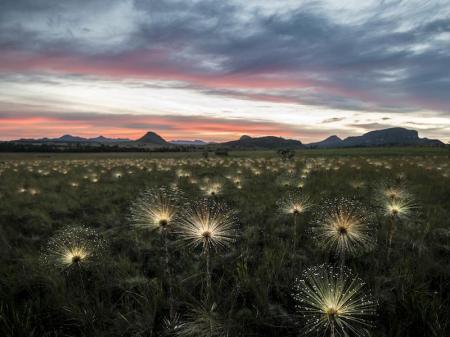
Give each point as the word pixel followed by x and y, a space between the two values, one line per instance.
pixel 134 126
pixel 140 65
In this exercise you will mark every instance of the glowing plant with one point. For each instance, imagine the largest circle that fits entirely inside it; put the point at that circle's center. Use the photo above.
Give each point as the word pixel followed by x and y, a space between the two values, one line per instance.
pixel 295 204
pixel 156 209
pixel 211 225
pixel 400 209
pixel 334 302
pixel 344 226
pixel 396 210
pixel 211 188
pixel 73 247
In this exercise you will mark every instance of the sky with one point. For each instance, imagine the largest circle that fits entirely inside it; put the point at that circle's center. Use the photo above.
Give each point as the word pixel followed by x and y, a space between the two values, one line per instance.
pixel 215 70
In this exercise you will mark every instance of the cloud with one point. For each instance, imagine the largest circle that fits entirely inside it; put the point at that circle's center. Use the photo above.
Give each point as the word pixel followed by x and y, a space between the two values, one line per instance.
pixel 333 119
pixel 371 126
pixel 389 56
pixel 52 124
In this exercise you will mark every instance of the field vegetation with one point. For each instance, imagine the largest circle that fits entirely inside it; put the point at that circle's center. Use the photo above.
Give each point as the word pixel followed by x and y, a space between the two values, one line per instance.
pixel 349 242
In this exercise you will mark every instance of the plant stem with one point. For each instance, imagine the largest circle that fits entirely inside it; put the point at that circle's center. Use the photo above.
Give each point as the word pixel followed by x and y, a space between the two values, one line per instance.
pixel 295 231
pixel 390 236
pixel 342 261
pixel 169 275
pixel 208 271
pixel 80 275
pixel 332 328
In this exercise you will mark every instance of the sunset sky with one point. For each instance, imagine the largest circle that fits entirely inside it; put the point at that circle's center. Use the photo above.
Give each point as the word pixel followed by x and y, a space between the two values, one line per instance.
pixel 215 69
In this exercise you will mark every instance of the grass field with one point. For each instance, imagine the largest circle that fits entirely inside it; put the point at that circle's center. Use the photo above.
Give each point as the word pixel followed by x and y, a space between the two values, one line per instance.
pixel 378 217
pixel 379 151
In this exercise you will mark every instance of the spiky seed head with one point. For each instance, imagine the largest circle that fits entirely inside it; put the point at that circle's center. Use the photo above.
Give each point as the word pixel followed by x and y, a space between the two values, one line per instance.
pixel 294 203
pixel 344 226
pixel 208 223
pixel 211 187
pixel 74 246
pixel 156 208
pixel 392 191
pixel 332 298
pixel 398 208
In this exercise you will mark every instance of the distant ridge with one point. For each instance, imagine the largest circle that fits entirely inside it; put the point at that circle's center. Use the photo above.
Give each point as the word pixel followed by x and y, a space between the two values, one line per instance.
pixel 268 142
pixel 72 139
pixel 196 142
pixel 386 137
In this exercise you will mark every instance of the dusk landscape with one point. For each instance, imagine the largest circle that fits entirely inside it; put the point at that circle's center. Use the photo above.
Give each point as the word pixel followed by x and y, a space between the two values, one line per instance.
pixel 224 168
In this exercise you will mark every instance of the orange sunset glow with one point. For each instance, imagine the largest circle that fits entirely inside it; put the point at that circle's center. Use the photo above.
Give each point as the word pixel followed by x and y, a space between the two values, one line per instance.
pixel 298 70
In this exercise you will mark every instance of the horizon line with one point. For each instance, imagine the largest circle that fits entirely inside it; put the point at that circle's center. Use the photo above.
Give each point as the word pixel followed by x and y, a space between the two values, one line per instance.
pixel 203 140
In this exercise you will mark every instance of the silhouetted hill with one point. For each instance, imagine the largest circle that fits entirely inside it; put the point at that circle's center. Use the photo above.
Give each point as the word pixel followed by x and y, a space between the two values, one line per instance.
pixel 332 141
pixel 102 139
pixel 72 139
pixel 152 138
pixel 392 136
pixel 385 137
pixel 268 142
pixel 196 142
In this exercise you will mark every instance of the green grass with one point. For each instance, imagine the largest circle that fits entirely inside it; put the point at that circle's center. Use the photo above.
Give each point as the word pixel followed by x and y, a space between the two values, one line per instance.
pixel 126 294
pixel 377 151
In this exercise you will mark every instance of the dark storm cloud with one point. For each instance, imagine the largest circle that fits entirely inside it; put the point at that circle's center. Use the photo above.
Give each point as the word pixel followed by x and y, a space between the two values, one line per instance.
pixel 371 126
pixel 395 57
pixel 333 120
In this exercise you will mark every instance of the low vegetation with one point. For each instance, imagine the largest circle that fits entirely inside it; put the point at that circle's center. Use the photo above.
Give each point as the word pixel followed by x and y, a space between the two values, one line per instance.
pixel 349 242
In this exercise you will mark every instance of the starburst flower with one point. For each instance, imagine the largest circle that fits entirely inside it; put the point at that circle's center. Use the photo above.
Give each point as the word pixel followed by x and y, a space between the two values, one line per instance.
pixel 181 173
pixel 209 224
pixel 393 192
pixel 33 191
pixel 236 180
pixel 74 247
pixel 294 203
pixel 211 187
pixel 398 208
pixel 333 301
pixel 301 184
pixel 156 208
pixel 344 226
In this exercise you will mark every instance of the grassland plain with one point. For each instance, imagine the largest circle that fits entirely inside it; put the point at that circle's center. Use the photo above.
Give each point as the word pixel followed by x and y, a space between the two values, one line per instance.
pixel 130 289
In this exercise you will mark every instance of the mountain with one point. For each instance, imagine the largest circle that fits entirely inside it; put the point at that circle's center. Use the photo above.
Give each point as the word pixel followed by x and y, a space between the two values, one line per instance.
pixel 332 141
pixel 392 136
pixel 152 138
pixel 385 137
pixel 102 139
pixel 268 142
pixel 72 139
pixel 196 142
